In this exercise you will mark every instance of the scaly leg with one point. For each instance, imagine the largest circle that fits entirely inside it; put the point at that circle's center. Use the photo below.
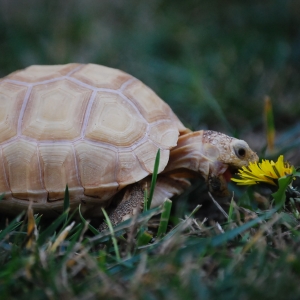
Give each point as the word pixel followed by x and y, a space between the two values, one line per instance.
pixel 131 204
pixel 133 199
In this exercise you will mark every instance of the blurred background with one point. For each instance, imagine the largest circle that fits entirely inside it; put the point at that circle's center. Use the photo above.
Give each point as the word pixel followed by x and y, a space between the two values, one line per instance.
pixel 213 61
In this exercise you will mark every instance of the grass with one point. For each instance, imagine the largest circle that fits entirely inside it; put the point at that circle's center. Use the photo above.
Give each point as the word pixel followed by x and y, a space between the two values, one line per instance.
pixel 235 260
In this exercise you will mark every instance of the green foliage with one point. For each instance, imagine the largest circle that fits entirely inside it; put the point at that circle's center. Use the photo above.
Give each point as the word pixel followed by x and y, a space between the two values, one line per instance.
pixel 279 196
pixel 153 180
pixel 164 219
pixel 191 260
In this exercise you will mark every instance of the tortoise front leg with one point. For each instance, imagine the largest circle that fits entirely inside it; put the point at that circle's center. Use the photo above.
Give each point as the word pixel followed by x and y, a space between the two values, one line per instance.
pixel 131 204
pixel 133 199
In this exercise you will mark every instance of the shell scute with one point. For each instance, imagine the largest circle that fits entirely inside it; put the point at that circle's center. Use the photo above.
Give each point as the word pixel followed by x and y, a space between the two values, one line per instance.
pixel 34 74
pixel 146 154
pixel 129 169
pixel 59 168
pixel 96 165
pixel 55 111
pixel 164 134
pixel 4 184
pixel 21 163
pixel 146 101
pixel 11 100
pixel 114 121
pixel 101 76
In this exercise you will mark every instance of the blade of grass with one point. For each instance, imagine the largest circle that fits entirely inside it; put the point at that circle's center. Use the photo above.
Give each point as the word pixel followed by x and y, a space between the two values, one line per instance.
pixel 164 219
pixel 12 226
pixel 153 180
pixel 66 199
pixel 113 237
pixel 74 232
pixel 51 229
pixel 62 236
pixel 230 212
pixel 145 199
pixel 178 228
pixel 198 246
pixel 102 260
pixel 144 239
pixel 218 205
pixel 91 227
pixel 66 203
pixel 31 229
pixel 120 228
pixel 279 196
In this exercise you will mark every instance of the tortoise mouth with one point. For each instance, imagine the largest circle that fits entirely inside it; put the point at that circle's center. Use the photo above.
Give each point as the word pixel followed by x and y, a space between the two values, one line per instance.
pixel 218 184
pixel 229 172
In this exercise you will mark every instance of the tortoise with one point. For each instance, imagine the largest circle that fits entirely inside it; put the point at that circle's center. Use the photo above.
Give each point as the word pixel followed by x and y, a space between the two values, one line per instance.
pixel 98 129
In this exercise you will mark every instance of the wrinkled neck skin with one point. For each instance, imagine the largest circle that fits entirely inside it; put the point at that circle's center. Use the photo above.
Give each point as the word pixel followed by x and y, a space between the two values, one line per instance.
pixel 209 154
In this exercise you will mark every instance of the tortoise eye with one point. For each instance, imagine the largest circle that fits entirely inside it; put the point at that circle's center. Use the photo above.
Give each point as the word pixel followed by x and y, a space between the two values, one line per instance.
pixel 240 152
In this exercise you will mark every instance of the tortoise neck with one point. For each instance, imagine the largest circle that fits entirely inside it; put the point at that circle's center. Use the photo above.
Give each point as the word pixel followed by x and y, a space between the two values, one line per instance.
pixel 188 156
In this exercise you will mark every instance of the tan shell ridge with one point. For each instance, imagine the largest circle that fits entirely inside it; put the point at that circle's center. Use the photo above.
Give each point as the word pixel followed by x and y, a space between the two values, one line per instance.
pixel 94 128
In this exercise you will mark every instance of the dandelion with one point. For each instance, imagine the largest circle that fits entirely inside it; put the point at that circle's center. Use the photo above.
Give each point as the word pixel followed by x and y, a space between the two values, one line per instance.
pixel 267 171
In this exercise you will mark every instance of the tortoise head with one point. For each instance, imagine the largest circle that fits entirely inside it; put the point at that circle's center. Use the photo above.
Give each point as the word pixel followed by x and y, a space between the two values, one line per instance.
pixel 226 155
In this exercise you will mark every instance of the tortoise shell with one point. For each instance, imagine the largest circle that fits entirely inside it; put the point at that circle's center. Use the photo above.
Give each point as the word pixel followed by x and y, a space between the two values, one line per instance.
pixel 94 128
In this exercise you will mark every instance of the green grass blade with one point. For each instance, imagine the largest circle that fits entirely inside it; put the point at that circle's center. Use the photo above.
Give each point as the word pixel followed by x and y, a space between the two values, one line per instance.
pixel 91 227
pixel 154 177
pixel 230 212
pixel 144 239
pixel 145 200
pixel 164 219
pixel 66 199
pixel 102 260
pixel 198 246
pixel 113 237
pixel 49 231
pixel 73 235
pixel 12 226
pixel 178 228
pixel 279 196
pixel 120 228
pixel 66 204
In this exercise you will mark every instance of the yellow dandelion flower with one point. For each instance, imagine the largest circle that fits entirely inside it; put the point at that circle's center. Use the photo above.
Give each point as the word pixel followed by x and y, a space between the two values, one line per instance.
pixel 267 171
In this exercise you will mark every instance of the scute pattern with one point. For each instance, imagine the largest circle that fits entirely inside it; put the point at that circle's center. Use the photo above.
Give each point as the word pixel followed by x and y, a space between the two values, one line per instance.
pixel 164 134
pixel 58 165
pixel 147 102
pixel 101 76
pixel 11 100
pixel 97 167
pixel 129 168
pixel 34 74
pixel 22 165
pixel 94 128
pixel 115 121
pixel 55 111
pixel 146 154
